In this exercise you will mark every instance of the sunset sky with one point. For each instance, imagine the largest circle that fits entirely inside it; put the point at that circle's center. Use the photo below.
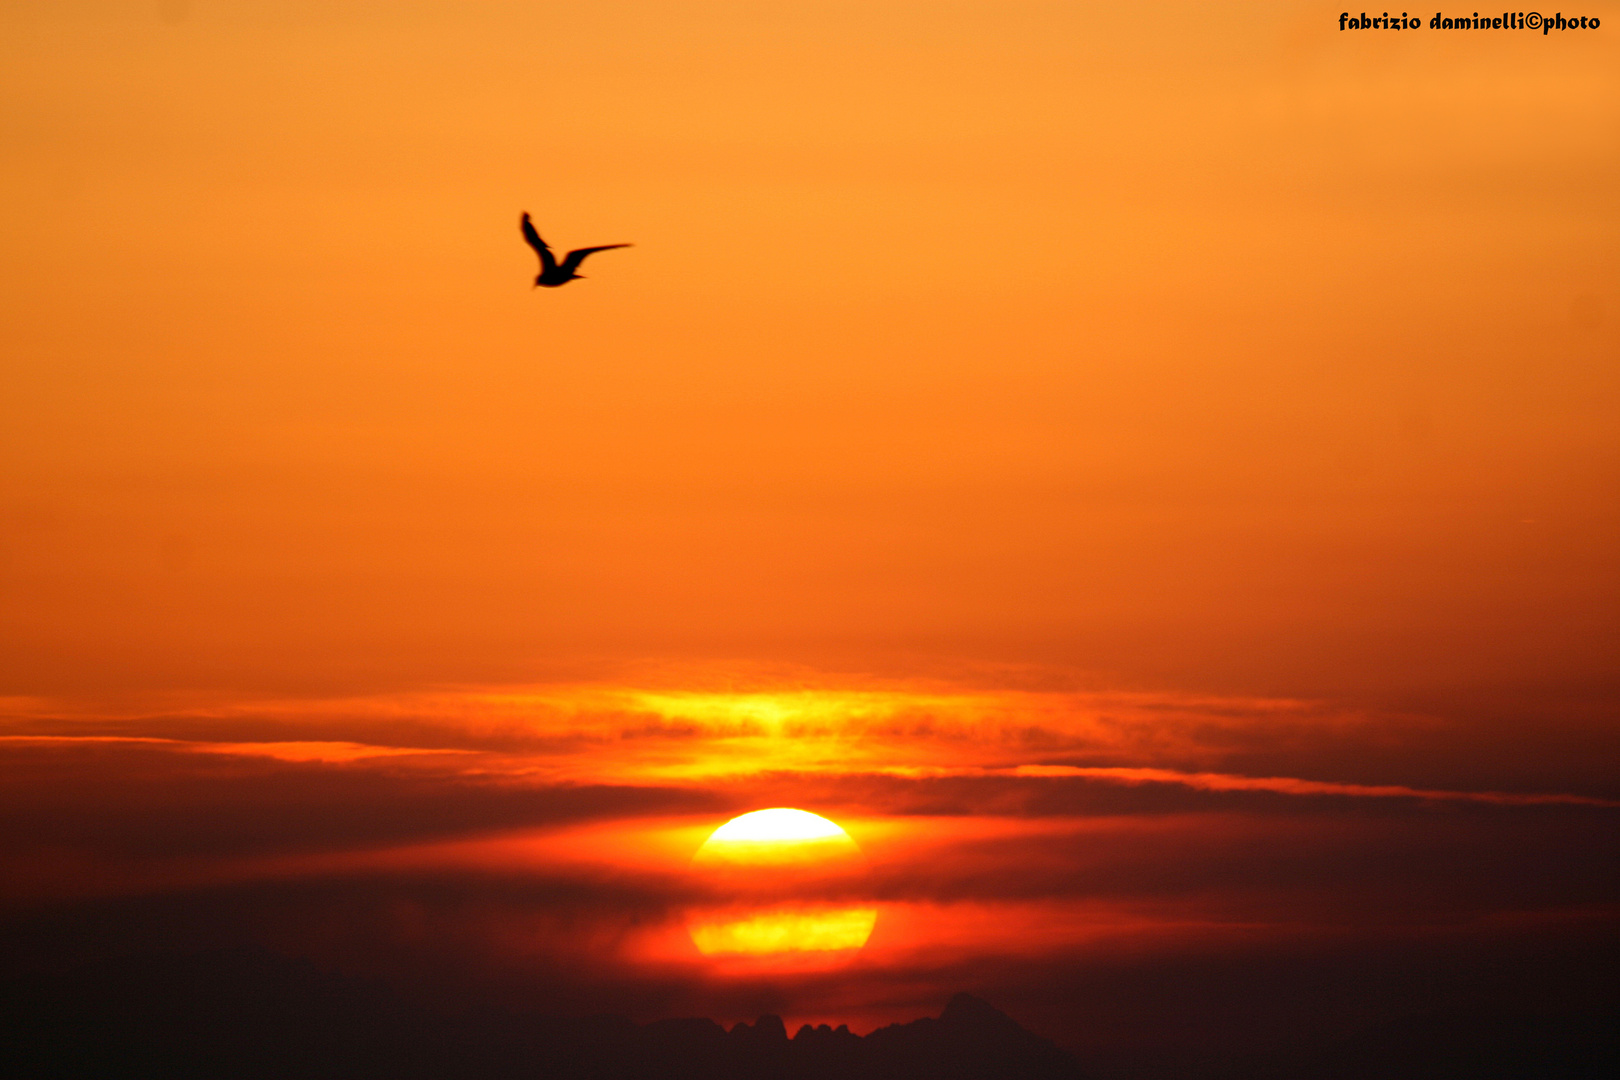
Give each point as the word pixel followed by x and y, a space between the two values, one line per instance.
pixel 1149 472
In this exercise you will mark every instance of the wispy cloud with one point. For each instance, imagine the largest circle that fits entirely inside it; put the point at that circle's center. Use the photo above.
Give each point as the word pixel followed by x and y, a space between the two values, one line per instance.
pixel 629 734
pixel 1287 785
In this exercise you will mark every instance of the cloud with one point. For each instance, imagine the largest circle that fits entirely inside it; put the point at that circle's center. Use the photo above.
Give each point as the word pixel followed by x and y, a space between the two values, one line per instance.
pixel 105 815
pixel 1287 785
pixel 527 847
pixel 654 733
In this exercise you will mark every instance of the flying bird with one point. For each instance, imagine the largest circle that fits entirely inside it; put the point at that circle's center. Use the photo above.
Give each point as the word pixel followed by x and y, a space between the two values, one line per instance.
pixel 552 273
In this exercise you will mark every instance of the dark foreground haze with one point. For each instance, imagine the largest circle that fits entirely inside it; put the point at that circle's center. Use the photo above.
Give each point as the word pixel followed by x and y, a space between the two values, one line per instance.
pixel 247 1016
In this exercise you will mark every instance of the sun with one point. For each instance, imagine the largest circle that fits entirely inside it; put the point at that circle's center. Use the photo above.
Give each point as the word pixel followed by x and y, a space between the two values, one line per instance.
pixel 776 825
pixel 784 880
pixel 777 837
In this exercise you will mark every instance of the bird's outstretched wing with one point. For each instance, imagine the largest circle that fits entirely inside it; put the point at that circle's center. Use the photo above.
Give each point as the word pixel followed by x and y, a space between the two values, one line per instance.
pixel 577 256
pixel 548 262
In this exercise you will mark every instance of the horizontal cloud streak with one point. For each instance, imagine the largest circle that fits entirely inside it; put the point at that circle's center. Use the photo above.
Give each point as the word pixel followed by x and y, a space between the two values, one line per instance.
pixel 1285 785
pixel 529 847
pixel 625 734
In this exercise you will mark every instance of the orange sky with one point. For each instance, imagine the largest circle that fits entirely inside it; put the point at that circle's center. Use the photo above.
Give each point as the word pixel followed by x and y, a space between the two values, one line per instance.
pixel 1223 353
pixel 1185 431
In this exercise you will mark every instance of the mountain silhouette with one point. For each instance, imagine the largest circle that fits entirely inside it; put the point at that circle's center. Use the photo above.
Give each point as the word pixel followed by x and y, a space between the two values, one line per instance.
pixel 971 1040
pixel 254 1016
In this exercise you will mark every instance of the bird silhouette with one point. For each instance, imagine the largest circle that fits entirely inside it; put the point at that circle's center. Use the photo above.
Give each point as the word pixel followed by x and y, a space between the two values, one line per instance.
pixel 554 273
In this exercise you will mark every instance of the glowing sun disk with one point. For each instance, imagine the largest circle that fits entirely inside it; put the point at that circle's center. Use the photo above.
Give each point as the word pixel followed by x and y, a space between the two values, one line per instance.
pixel 779 823
pixel 770 856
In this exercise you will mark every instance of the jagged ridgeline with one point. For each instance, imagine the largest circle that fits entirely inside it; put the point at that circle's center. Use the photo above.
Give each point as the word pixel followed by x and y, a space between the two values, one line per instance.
pixel 970 1040
pixel 256 1017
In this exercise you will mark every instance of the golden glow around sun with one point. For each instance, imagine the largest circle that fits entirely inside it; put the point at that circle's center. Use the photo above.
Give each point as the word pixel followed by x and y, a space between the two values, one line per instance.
pixel 786 930
pixel 777 867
